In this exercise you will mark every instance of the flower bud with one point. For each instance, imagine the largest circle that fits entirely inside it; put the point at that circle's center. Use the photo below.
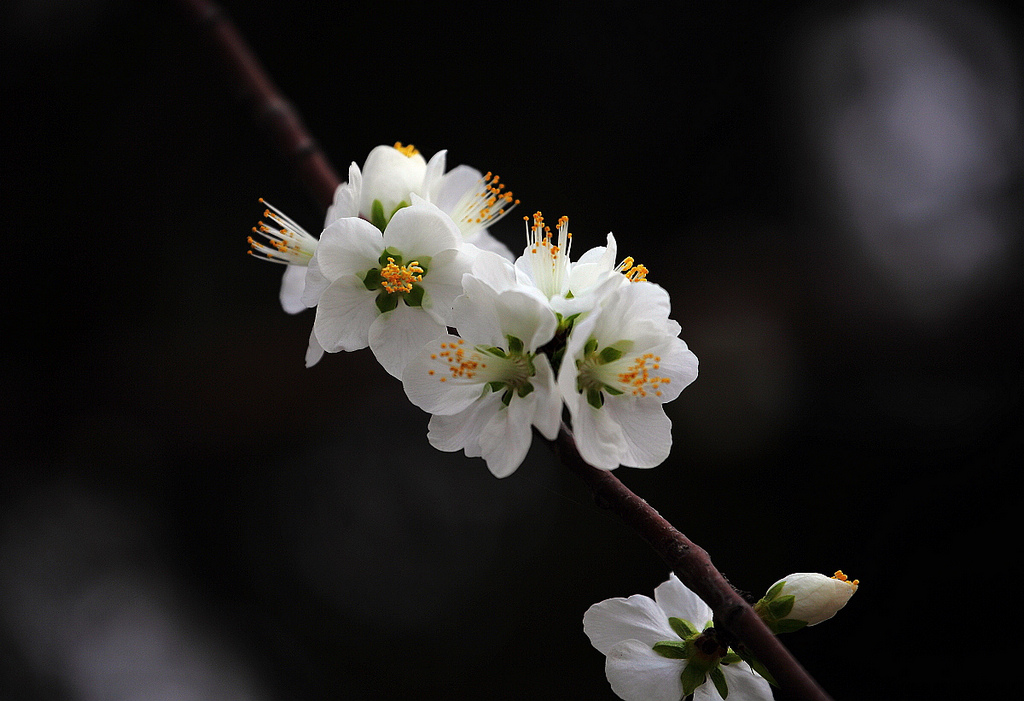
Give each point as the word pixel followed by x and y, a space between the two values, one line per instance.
pixel 805 598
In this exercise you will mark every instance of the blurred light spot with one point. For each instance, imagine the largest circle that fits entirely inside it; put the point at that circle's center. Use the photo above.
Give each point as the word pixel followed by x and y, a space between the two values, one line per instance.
pixel 913 121
pixel 84 595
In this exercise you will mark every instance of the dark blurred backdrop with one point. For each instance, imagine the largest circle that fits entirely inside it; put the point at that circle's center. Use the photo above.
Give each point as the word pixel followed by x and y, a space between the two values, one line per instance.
pixel 832 194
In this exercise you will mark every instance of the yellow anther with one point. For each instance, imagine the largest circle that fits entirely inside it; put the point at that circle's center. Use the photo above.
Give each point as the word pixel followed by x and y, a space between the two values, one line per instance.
pixel 638 376
pixel 408 151
pixel 843 578
pixel 633 271
pixel 400 278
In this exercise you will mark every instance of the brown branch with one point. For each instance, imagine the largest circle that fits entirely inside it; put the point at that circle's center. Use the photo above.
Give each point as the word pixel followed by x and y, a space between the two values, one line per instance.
pixel 694 568
pixel 690 562
pixel 245 71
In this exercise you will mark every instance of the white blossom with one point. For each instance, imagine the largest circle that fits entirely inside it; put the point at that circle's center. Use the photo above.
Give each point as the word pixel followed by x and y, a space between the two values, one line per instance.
pixel 621 364
pixel 572 288
pixel 393 290
pixel 664 648
pixel 488 386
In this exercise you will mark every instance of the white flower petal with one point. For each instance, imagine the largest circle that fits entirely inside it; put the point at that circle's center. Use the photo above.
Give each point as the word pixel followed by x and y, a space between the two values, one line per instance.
pixel 547 410
pixel 744 684
pixel 433 390
pixel 599 438
pixel 462 431
pixel 494 270
pixel 443 283
pixel 314 351
pixel 347 247
pixel 637 673
pixel 397 336
pixel 434 176
pixel 646 430
pixel 344 315
pixel 346 197
pixel 677 601
pixel 389 176
pixel 454 184
pixel 293 284
pixel 638 618
pixel 421 230
pixel 505 439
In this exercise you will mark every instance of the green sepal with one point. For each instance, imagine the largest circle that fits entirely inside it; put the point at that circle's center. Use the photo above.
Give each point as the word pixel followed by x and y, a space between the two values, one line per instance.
pixel 524 389
pixel 781 606
pixel 595 398
pixel 377 217
pixel 683 628
pixel 401 205
pixel 373 280
pixel 566 324
pixel 692 677
pixel 609 355
pixel 392 253
pixel 774 591
pixel 672 649
pixel 590 346
pixel 414 297
pixel 506 398
pixel 496 385
pixel 718 679
pixel 515 346
pixel 788 625
pixel 386 302
pixel 492 350
pixel 730 658
pixel 614 391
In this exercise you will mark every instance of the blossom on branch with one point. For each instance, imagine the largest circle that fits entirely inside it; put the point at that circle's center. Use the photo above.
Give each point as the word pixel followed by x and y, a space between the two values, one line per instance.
pixel 393 290
pixel 488 386
pixel 391 175
pixel 621 363
pixel 665 648
pixel 804 599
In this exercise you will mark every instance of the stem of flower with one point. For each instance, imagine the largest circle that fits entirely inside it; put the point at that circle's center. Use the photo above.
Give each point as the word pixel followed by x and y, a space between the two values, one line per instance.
pixel 690 562
pixel 254 86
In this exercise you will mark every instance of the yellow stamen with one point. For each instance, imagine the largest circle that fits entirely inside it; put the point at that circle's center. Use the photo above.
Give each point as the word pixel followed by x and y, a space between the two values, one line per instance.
pixel 633 273
pixel 408 151
pixel 843 578
pixel 400 278
pixel 639 378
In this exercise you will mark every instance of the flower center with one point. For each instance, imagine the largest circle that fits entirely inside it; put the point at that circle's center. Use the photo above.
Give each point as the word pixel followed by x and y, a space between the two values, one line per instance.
pixel 400 278
pixel 483 205
pixel 407 151
pixel 548 260
pixel 290 244
pixel 606 371
pixel 498 369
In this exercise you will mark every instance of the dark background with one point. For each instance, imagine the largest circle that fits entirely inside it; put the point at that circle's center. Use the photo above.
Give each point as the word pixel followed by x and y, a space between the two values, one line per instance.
pixel 831 193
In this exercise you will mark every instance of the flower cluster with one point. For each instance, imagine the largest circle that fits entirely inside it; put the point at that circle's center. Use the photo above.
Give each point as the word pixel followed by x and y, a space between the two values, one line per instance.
pixel 491 345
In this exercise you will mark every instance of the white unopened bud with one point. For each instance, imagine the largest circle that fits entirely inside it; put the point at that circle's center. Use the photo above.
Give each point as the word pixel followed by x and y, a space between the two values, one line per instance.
pixel 816 598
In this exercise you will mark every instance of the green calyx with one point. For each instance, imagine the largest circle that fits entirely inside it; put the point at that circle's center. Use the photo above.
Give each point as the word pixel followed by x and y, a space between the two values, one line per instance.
pixel 773 609
pixel 379 218
pixel 703 653
pixel 517 382
pixel 588 381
